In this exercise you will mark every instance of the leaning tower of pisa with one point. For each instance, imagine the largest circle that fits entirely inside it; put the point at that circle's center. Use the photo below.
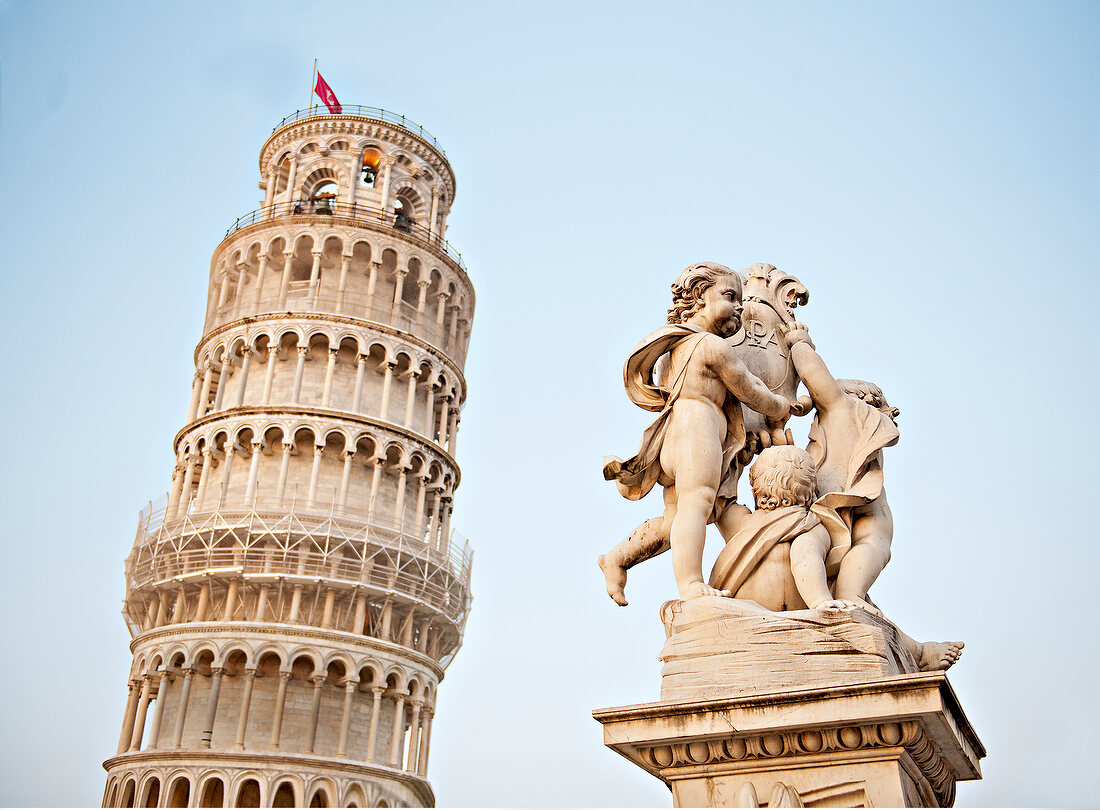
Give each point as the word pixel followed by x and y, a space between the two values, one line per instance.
pixel 296 597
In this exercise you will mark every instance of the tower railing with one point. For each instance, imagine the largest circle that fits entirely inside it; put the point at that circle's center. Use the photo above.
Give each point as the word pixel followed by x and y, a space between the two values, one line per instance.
pixel 359 111
pixel 301 544
pixel 360 213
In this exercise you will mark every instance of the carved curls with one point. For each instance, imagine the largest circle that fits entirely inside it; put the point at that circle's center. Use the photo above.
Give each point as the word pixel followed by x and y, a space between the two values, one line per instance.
pixel 688 289
pixel 783 476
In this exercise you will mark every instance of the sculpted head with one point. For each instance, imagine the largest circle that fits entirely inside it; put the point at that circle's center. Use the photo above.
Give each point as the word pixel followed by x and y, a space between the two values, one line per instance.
pixel 869 393
pixel 709 295
pixel 783 476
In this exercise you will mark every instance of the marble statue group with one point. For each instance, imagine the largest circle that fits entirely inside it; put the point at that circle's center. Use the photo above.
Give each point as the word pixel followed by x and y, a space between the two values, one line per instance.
pixel 723 376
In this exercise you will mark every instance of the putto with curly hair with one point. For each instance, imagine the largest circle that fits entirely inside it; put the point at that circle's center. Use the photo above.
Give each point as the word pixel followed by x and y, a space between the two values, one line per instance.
pixel 783 476
pixel 688 289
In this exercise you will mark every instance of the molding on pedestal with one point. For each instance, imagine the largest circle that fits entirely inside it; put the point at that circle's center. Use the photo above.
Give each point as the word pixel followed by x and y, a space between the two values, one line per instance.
pixel 913 721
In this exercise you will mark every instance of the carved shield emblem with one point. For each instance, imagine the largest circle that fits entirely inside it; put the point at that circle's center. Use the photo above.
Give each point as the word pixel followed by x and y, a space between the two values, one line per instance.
pixel 770 297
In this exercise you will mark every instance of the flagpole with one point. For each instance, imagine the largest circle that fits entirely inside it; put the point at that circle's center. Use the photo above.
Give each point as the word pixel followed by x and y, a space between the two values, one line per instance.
pixel 312 84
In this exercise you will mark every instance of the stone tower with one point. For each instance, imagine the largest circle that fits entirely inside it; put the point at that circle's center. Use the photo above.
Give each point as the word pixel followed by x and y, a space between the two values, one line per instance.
pixel 295 600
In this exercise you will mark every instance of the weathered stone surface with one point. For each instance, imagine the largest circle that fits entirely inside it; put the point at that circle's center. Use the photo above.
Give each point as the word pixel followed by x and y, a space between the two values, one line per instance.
pixel 900 741
pixel 718 646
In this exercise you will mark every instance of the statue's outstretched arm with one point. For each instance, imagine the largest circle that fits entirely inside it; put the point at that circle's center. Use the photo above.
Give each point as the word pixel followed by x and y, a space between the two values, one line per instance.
pixel 745 385
pixel 815 374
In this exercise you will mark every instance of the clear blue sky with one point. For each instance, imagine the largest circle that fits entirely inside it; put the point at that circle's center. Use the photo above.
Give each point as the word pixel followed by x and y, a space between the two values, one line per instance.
pixel 930 172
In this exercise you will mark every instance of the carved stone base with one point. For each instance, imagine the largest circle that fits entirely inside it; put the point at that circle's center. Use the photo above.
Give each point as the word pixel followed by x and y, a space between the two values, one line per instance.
pixel 804 708
pixel 901 741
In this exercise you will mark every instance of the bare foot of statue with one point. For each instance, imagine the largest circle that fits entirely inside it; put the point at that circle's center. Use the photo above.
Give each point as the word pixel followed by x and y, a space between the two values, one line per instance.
pixel 616 580
pixel 866 605
pixel 837 604
pixel 939 654
pixel 697 590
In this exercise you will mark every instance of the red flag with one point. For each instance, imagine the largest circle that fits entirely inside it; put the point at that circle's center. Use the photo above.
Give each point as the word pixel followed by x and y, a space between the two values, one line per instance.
pixel 324 92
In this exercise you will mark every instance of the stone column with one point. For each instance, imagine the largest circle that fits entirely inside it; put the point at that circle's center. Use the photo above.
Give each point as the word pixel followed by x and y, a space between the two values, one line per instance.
pixel 345 264
pixel 433 522
pixel 223 291
pixel 272 356
pixel 314 713
pixel 387 381
pixel 315 473
pixel 284 283
pixel 246 364
pixel 425 737
pixel 345 719
pixel 398 290
pixel 376 475
pixel 360 368
pixel 224 371
pixel 296 393
pixel 181 712
pixel 284 470
pixel 445 531
pixel 246 701
pixel 253 471
pixel 158 711
pixel 429 407
pixel 376 709
pixel 330 370
pixel 291 176
pixel 410 399
pixel 212 707
pixel 453 327
pixel 204 397
pixel 422 297
pixel 188 486
pixel 440 306
pixel 269 192
pixel 261 602
pixel 231 592
pixel 398 730
pixel 360 612
pixel 242 274
pixel 142 708
pixel 230 451
pixel 414 742
pixel 444 410
pixel 372 282
pixel 385 165
pixel 175 493
pixel 193 406
pixel 204 602
pixel 399 500
pixel 133 693
pixel 452 429
pixel 421 492
pixel 314 279
pixel 343 498
pixel 280 706
pixel 436 191
pixel 261 276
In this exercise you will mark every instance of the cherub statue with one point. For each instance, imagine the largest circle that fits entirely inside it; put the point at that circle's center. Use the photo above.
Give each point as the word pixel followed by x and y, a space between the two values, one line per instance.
pixel 784 553
pixel 691 447
pixel 852 424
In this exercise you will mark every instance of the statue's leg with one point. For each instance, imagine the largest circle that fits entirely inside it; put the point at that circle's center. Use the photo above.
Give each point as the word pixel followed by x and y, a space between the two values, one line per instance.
pixel 692 457
pixel 872 533
pixel 648 540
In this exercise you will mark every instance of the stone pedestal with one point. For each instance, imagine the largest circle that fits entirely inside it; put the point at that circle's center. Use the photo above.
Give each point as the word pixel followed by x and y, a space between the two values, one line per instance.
pixel 862 731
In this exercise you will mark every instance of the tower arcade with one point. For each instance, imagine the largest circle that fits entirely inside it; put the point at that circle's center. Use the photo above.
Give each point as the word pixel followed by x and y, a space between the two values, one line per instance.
pixel 296 598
